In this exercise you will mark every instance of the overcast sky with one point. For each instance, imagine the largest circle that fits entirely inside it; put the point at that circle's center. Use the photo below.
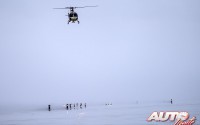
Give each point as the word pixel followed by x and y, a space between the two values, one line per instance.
pixel 123 50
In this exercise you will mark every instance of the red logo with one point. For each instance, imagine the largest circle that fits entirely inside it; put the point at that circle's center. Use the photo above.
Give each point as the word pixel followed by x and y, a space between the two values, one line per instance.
pixel 180 118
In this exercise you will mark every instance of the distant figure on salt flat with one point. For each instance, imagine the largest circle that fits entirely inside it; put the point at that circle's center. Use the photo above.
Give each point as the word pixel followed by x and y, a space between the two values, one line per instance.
pixel 74 105
pixel 171 101
pixel 67 107
pixel 49 107
pixel 70 106
pixel 81 105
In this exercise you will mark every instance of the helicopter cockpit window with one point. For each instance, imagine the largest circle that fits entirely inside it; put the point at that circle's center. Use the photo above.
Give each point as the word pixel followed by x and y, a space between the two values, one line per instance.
pixel 75 14
pixel 71 14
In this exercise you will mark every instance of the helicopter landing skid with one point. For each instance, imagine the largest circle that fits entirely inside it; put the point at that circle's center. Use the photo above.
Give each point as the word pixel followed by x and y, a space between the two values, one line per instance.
pixel 73 22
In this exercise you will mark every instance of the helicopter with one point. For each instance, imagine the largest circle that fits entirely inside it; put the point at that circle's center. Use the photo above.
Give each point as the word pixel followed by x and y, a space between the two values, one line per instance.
pixel 72 15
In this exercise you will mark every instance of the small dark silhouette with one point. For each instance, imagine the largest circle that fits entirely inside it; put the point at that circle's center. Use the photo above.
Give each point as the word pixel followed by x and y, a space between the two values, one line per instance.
pixel 171 101
pixel 67 107
pixel 81 105
pixel 85 105
pixel 49 107
pixel 70 106
pixel 108 104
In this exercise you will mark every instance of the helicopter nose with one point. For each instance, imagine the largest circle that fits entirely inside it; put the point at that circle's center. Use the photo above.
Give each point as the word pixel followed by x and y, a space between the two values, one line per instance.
pixel 73 18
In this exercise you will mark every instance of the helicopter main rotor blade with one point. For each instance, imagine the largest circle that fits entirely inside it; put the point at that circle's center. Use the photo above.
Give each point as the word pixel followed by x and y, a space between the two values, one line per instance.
pixel 75 7
pixel 86 6
pixel 59 8
pixel 63 8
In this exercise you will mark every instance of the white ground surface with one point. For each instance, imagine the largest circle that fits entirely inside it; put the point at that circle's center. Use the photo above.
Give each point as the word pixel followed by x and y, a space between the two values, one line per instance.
pixel 131 114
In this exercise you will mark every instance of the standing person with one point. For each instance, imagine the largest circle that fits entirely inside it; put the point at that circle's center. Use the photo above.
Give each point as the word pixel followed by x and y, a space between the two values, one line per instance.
pixel 81 105
pixel 70 106
pixel 67 107
pixel 171 101
pixel 85 105
pixel 49 107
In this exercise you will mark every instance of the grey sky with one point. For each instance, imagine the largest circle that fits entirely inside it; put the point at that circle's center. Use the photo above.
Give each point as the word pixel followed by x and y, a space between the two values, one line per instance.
pixel 122 50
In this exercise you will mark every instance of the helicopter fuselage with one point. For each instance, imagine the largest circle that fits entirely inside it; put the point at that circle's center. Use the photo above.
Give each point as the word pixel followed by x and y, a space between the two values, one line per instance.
pixel 73 17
